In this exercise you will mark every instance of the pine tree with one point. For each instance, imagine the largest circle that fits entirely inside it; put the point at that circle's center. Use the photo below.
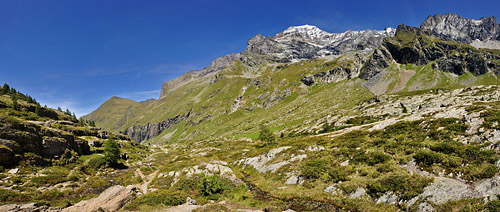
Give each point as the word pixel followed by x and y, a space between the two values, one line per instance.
pixel 30 99
pixel 15 105
pixel 111 152
pixel 6 89
pixel 59 109
pixel 37 110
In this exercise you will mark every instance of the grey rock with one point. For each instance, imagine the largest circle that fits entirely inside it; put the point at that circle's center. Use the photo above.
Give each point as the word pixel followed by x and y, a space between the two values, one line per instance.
pixel 425 207
pixel 112 199
pixel 53 146
pixel 13 171
pixel 261 162
pixel 453 27
pixel 358 194
pixel 190 201
pixel 144 132
pixel 294 180
pixel 388 198
pixel 332 189
pixel 379 60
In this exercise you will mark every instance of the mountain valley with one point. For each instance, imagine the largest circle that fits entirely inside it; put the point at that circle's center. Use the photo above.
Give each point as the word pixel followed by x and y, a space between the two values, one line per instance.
pixel 401 119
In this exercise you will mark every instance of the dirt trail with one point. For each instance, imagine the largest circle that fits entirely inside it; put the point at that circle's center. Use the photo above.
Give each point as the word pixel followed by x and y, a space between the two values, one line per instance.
pixel 146 180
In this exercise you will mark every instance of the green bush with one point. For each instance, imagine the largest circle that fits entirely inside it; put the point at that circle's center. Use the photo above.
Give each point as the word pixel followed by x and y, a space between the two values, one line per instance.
pixel 187 184
pixel 158 198
pixel 376 158
pixel 96 162
pixel 475 172
pixel 323 169
pixel 493 205
pixel 407 186
pixel 446 147
pixel 12 196
pixel 211 185
pixel 266 135
pixel 427 157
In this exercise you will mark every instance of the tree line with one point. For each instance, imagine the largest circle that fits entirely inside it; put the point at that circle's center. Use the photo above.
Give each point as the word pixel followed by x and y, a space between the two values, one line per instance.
pixel 16 96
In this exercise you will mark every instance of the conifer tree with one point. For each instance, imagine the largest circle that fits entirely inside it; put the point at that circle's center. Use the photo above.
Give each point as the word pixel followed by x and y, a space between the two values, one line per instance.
pixel 15 105
pixel 6 88
pixel 111 152
pixel 37 110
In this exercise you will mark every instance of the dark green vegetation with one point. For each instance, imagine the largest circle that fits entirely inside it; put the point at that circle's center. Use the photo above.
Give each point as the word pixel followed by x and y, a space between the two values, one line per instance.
pixel 60 159
pixel 201 187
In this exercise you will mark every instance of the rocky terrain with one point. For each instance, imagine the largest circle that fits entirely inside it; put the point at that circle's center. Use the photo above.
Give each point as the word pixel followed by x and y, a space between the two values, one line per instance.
pixel 403 119
pixel 49 160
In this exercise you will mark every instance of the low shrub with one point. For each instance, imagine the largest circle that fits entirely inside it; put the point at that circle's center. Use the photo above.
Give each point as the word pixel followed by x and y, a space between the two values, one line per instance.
pixel 96 162
pixel 211 185
pixel 407 186
pixel 427 157
pixel 475 172
pixel 158 198
pixel 323 169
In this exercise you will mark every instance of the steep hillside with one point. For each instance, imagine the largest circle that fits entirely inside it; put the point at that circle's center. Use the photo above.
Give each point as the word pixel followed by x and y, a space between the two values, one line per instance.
pixel 50 158
pixel 291 78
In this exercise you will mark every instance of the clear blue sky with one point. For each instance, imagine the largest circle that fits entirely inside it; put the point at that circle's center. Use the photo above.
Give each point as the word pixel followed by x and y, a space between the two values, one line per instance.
pixel 77 54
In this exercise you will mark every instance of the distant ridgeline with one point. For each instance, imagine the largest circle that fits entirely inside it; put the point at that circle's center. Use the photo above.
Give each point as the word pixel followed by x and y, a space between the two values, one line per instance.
pixel 286 79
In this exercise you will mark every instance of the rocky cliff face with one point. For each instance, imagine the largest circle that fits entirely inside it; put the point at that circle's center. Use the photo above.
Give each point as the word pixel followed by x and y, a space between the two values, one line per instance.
pixel 454 27
pixel 417 46
pixel 294 44
pixel 144 132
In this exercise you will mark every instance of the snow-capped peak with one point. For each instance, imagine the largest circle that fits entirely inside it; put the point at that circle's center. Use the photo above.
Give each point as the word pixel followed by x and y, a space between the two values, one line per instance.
pixel 309 30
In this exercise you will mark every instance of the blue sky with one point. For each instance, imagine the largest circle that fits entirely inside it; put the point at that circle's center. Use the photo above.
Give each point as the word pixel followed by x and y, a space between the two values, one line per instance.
pixel 77 54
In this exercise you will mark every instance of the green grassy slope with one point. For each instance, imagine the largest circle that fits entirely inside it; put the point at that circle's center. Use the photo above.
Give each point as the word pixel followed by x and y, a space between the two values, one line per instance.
pixel 245 96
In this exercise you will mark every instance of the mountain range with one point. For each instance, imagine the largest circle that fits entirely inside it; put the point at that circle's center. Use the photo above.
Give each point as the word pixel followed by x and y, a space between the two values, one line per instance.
pixel 402 119
pixel 289 78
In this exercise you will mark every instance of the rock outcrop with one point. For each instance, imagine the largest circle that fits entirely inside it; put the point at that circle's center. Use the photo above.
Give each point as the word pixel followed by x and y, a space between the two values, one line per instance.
pixel 417 46
pixel 454 27
pixel 145 132
pixel 112 199
pixel 18 137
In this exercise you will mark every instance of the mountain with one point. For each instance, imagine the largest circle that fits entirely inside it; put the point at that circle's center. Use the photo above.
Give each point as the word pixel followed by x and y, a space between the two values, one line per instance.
pixel 403 119
pixel 482 33
pixel 302 63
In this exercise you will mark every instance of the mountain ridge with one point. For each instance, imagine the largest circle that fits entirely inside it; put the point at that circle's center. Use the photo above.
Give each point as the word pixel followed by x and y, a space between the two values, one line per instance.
pixel 261 63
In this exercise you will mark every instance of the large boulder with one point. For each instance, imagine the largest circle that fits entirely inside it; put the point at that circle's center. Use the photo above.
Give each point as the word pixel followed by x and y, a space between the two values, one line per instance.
pixel 112 199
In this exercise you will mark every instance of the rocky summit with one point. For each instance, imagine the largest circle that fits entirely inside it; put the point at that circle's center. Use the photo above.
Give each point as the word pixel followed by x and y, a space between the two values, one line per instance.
pixel 401 119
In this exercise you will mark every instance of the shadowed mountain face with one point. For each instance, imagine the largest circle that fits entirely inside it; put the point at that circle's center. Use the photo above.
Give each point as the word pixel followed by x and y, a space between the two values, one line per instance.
pixel 289 78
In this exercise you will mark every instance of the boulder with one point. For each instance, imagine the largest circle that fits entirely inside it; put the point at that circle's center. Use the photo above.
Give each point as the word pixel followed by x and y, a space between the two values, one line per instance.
pixel 112 199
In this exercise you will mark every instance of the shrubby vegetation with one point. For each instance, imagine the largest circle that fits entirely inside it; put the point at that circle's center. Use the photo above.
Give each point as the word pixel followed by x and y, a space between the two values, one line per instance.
pixel 266 135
